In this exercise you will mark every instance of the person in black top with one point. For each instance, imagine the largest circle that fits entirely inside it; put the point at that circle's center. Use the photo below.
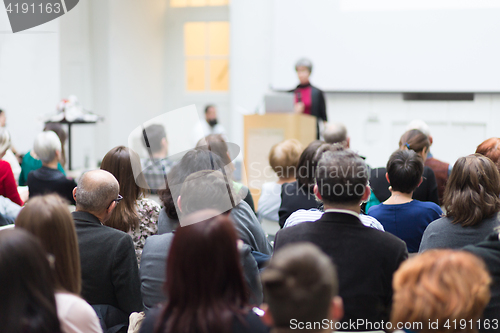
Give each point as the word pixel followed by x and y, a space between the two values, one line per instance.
pixel 366 258
pixel 309 99
pixel 204 283
pixel 48 179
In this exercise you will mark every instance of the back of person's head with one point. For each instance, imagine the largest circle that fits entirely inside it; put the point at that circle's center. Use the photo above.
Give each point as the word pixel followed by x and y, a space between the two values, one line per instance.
pixel 206 189
pixel 306 166
pixel 440 285
pixel 491 149
pixel 472 191
pixel 4 140
pixel 26 287
pixel 46 146
pixel 284 157
pixel 204 280
pixel 48 218
pixel 96 191
pixel 299 283
pixel 216 144
pixel 155 134
pixel 405 169
pixel 414 140
pixel 118 161
pixel 335 133
pixel 420 125
pixel 341 176
pixel 61 133
pixel 195 160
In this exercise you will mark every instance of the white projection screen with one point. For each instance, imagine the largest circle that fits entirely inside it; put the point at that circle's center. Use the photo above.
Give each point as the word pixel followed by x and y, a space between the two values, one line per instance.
pixel 389 45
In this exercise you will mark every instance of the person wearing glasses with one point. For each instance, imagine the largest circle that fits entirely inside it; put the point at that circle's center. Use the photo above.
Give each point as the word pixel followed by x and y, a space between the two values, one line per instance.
pixel 110 274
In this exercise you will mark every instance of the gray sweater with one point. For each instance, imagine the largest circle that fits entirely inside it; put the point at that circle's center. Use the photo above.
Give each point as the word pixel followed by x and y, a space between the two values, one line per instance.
pixel 442 234
pixel 249 229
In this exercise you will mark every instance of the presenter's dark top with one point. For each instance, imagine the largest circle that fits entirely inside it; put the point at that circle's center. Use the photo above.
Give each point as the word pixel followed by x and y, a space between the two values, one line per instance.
pixel 313 99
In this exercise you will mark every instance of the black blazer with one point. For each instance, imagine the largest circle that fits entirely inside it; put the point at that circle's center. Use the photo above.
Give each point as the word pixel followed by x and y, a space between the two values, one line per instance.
pixel 294 198
pixel 365 258
pixel 427 191
pixel 110 274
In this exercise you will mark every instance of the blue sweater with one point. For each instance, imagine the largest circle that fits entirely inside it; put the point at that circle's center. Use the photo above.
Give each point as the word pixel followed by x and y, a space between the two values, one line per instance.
pixel 407 221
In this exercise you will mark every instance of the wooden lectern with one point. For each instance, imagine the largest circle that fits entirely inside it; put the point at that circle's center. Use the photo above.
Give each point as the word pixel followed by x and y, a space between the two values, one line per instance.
pixel 261 132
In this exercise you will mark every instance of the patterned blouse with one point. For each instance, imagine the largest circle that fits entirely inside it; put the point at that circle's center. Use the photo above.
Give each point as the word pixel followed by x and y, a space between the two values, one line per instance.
pixel 148 211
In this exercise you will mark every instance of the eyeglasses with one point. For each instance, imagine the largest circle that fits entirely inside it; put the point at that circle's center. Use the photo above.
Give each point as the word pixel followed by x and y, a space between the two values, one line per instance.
pixel 120 198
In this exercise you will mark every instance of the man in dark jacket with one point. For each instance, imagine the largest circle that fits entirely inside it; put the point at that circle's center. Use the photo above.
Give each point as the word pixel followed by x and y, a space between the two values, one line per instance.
pixel 110 274
pixel 366 258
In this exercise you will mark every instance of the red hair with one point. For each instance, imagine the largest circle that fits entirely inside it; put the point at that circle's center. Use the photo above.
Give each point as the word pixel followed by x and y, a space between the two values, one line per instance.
pixel 491 149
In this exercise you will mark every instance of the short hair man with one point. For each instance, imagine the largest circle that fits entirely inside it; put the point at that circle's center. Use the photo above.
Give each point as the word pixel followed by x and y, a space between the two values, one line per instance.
pixel 301 290
pixel 209 126
pixel 192 200
pixel 110 275
pixel 336 133
pixel 442 170
pixel 49 179
pixel 157 165
pixel 366 258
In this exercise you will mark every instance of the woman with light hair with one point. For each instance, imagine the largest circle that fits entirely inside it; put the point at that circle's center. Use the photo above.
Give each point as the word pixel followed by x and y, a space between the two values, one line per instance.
pixel 8 187
pixel 48 179
pixel 440 291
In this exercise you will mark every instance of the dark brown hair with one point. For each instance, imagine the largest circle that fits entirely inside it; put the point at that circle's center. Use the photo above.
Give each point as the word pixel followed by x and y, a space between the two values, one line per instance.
pixel 26 288
pixel 405 169
pixel 414 140
pixel 48 218
pixel 306 166
pixel 472 192
pixel 216 144
pixel 118 161
pixel 491 149
pixel 204 280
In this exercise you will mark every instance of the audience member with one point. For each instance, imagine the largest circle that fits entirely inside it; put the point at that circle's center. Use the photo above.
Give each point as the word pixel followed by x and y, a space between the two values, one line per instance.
pixel 204 285
pixel 440 291
pixel 491 149
pixel 110 275
pixel 400 214
pixel 299 194
pixel 11 153
pixel 135 215
pixel 210 125
pixel 8 210
pixel 441 169
pixel 301 286
pixel 489 251
pixel 283 159
pixel 245 221
pixel 48 179
pixel 217 144
pixel 336 133
pixel 193 198
pixel 471 202
pixel 426 191
pixel 48 218
pixel 32 163
pixel 26 287
pixel 366 258
pixel 8 186
pixel 157 165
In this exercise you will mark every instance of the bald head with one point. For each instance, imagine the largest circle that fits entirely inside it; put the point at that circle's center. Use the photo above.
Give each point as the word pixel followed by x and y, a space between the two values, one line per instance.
pixel 336 133
pixel 96 190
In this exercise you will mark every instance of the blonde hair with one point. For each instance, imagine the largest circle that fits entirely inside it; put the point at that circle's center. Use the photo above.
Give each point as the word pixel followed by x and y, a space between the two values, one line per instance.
pixel 4 140
pixel 439 285
pixel 284 157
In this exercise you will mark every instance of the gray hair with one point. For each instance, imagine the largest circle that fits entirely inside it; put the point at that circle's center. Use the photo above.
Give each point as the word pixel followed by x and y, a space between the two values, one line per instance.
pixel 46 145
pixel 304 62
pixel 335 133
pixel 96 190
pixel 4 140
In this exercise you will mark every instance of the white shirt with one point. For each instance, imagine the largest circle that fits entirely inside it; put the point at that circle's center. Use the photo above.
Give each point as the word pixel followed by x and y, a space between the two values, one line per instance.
pixel 76 315
pixel 269 202
pixel 203 129
pixel 313 214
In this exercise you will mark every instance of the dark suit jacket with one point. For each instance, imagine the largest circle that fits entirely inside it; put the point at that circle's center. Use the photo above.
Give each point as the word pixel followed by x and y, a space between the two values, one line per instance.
pixel 110 274
pixel 365 258
pixel 294 198
pixel 427 191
